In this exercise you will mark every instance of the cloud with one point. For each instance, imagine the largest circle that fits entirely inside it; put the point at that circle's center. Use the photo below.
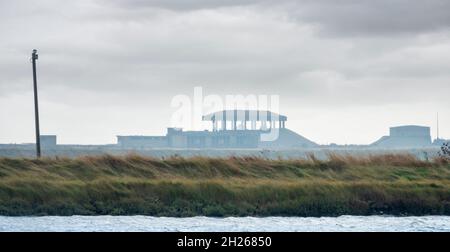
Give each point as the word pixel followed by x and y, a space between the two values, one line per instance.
pixel 377 18
pixel 185 5
pixel 338 18
pixel 133 55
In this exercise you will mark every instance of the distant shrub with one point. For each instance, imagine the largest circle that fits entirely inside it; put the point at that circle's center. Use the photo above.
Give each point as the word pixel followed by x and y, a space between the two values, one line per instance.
pixel 445 151
pixel 214 211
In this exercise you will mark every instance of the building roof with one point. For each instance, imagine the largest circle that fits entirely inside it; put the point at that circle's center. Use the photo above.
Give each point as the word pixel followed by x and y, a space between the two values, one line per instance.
pixel 241 115
pixel 410 127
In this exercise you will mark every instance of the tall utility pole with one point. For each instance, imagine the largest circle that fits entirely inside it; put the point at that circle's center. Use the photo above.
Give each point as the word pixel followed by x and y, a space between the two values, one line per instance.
pixel 34 57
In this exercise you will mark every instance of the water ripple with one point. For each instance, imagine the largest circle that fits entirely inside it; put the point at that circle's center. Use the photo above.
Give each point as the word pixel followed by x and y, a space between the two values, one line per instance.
pixel 230 224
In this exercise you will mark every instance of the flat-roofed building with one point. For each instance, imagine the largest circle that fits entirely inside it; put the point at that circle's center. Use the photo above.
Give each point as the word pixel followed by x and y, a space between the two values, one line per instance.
pixel 48 141
pixel 142 141
pixel 405 136
pixel 230 129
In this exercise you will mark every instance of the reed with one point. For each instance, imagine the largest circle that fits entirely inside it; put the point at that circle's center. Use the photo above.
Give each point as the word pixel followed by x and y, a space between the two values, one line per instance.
pixel 233 186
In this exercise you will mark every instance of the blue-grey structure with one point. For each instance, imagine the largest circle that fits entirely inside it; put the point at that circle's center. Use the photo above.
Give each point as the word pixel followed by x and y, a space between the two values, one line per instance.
pixel 235 132
pixel 48 141
pixel 230 129
pixel 405 136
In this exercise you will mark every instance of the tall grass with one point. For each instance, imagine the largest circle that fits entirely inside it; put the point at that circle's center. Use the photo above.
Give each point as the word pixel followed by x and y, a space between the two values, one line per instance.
pixel 238 186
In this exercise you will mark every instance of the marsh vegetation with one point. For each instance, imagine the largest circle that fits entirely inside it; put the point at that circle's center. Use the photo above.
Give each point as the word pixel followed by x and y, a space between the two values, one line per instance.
pixel 232 186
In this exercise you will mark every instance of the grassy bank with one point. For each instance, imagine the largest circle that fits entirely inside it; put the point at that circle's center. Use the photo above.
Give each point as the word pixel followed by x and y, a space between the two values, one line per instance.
pixel 128 185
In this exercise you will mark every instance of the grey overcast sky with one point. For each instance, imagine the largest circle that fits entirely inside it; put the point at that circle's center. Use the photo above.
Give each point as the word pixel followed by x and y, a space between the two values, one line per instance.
pixel 345 70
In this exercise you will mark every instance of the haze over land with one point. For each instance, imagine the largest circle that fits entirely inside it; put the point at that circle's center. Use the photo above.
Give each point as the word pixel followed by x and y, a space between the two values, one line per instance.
pixel 345 70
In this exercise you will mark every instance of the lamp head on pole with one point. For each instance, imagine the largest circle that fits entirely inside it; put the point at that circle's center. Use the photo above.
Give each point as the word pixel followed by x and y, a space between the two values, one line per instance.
pixel 35 55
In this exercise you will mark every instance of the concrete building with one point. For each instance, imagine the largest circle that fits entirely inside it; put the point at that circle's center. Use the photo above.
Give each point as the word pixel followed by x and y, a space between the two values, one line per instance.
pixel 48 141
pixel 142 141
pixel 230 129
pixel 245 120
pixel 178 138
pixel 405 136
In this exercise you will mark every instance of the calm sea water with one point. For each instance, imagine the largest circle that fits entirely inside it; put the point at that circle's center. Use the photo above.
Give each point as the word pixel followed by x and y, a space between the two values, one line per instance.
pixel 200 224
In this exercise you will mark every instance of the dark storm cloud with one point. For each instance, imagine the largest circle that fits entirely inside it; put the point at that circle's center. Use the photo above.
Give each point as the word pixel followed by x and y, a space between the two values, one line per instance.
pixel 346 17
pixel 96 47
pixel 184 4
pixel 380 17
pixel 111 48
